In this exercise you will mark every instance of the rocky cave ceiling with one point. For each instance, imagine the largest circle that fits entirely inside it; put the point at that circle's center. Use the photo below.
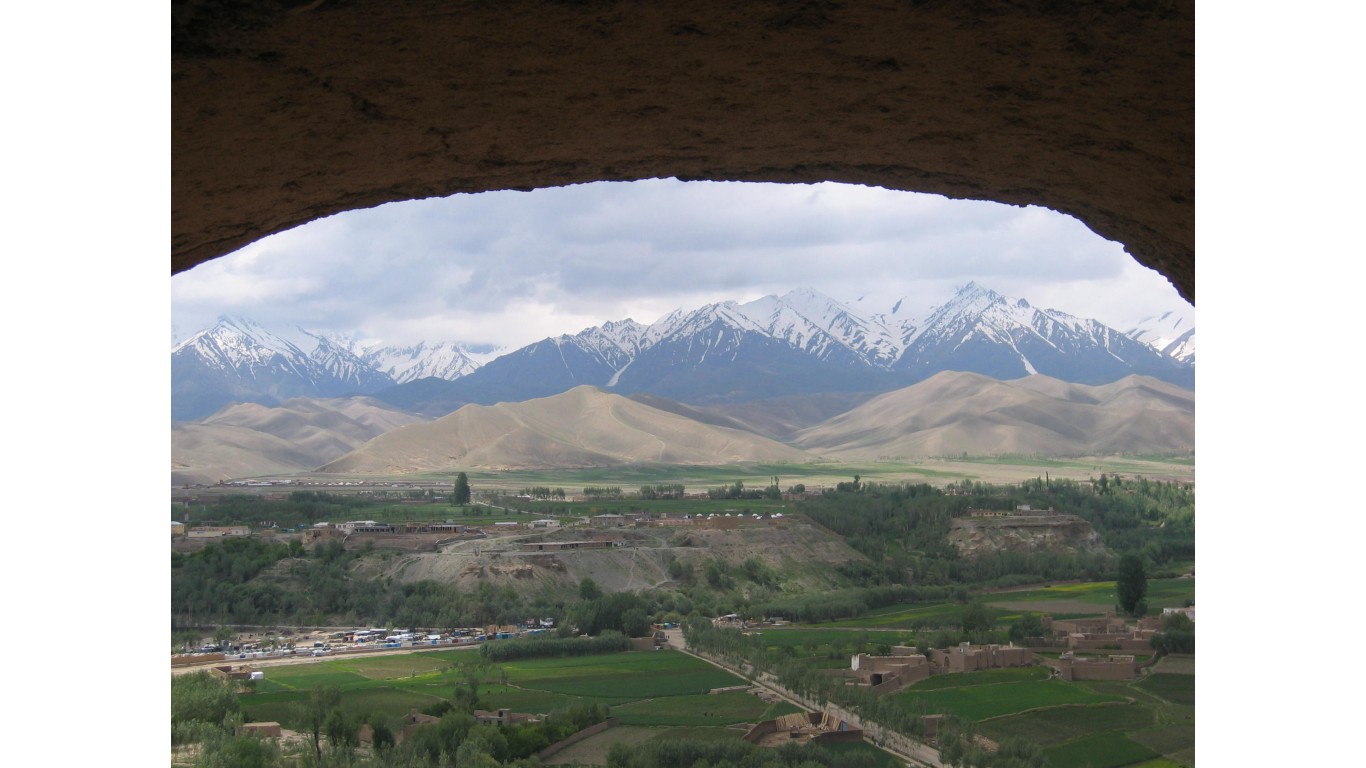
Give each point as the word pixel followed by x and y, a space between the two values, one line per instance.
pixel 284 112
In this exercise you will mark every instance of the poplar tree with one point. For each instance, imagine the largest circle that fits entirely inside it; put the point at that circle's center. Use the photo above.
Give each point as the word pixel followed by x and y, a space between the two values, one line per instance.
pixel 461 495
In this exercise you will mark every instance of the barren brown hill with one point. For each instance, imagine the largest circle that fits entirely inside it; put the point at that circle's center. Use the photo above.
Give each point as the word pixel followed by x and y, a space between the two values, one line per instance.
pixel 250 440
pixel 783 417
pixel 584 427
pixel 954 413
pixel 801 556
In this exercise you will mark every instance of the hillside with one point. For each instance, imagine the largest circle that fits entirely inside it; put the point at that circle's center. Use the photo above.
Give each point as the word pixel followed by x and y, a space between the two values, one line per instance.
pixel 583 427
pixel 954 413
pixel 250 440
pixel 801 556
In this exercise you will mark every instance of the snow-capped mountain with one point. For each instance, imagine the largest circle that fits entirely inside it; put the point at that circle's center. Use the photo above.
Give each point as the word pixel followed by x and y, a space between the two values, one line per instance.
pixel 802 343
pixel 984 332
pixel 1171 333
pixel 405 363
pixel 238 360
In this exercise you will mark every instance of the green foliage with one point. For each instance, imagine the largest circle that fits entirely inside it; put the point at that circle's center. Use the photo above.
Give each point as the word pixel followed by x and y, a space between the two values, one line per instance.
pixel 244 751
pixel 589 589
pixel 1029 625
pixel 610 612
pixel 978 619
pixel 1177 635
pixel 553 647
pixel 1132 583
pixel 691 753
pixel 661 491
pixel 602 492
pixel 200 698
pixel 903 529
pixel 461 493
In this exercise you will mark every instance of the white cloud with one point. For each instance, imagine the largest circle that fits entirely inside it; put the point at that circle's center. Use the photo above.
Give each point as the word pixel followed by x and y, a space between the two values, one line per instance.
pixel 509 268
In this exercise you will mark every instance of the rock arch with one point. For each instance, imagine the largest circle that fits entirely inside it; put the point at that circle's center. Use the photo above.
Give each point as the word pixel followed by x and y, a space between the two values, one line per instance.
pixel 284 112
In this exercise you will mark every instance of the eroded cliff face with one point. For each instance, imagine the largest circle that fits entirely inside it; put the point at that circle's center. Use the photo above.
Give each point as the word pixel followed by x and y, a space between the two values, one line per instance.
pixel 1063 534
pixel 284 112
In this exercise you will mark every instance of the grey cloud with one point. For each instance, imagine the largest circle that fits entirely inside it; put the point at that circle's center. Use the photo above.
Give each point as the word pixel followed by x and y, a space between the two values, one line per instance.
pixel 589 252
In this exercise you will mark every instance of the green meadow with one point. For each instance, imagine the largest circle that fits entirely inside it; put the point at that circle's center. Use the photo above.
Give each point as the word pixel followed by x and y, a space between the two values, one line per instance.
pixel 1099 724
pixel 647 688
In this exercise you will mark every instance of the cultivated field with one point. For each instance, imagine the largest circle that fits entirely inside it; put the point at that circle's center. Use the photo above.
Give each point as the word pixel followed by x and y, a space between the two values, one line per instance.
pixel 657 689
pixel 1099 724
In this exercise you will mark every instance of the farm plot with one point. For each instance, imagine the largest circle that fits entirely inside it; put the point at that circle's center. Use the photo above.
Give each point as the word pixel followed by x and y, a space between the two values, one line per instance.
pixel 701 710
pixel 914 616
pixel 391 686
pixel 1103 750
pixel 1054 727
pixel 979 702
pixel 621 676
pixel 1091 598
pixel 1147 728
pixel 984 677
pixel 1178 689
pixel 811 638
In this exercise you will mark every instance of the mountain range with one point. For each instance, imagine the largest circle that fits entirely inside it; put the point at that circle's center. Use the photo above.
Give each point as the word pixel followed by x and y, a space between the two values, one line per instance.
pixel 802 343
pixel 946 415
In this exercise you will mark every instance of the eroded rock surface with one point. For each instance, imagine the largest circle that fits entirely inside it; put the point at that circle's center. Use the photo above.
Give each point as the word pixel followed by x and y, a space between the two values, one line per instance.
pixel 284 112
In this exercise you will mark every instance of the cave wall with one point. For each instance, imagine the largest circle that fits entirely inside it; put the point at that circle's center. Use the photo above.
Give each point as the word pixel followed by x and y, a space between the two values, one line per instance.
pixel 284 112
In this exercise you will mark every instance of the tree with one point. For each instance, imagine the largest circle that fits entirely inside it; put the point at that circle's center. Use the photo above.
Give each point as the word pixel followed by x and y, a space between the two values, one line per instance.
pixel 1132 583
pixel 977 618
pixel 589 589
pixel 1029 625
pixel 314 713
pixel 461 495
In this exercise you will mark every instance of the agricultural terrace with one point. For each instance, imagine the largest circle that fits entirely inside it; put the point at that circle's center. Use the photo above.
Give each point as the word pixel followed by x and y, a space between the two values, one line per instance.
pixel 1061 601
pixel 654 689
pixel 1099 724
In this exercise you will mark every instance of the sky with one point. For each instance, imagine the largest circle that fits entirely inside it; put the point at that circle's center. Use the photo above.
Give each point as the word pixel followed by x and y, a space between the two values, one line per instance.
pixel 505 269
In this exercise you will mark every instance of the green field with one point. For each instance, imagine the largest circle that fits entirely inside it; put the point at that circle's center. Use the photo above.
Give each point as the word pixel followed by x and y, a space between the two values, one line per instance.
pixel 1102 750
pixel 701 710
pixel 920 615
pixel 1162 593
pixel 652 688
pixel 984 677
pixel 1061 601
pixel 979 702
pixel 807 637
pixel 1107 724
pixel 1178 689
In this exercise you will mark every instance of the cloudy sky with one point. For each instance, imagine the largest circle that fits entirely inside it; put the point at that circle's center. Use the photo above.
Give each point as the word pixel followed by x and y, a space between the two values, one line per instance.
pixel 509 268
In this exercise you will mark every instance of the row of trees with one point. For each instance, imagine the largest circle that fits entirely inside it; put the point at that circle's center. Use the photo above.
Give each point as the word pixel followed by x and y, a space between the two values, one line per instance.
pixel 903 529
pixel 543 492
pixel 227 583
pixel 610 641
pixel 737 490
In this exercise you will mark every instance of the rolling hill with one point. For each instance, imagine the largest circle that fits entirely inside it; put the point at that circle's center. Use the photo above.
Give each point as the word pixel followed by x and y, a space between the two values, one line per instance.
pixel 954 413
pixel 250 440
pixel 583 427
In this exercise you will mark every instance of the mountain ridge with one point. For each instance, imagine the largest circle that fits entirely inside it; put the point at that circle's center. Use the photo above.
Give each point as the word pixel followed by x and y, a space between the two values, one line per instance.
pixel 800 343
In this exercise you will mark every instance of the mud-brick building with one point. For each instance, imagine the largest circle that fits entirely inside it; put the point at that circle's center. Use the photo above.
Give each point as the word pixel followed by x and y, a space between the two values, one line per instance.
pixel 504 717
pixel 1112 667
pixel 969 658
pixel 1107 624
pixel 885 674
